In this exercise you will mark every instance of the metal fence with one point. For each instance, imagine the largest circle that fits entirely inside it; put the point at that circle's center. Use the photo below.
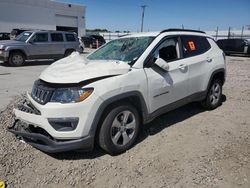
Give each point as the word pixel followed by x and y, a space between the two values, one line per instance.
pixel 217 34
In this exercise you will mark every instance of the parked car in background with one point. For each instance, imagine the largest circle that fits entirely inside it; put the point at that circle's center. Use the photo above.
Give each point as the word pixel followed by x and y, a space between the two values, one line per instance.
pixel 82 46
pixel 93 41
pixel 235 46
pixel 15 32
pixel 38 45
pixel 4 36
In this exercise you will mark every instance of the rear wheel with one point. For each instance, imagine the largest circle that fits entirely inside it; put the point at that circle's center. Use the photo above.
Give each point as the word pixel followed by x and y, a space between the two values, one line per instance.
pixel 119 129
pixel 16 59
pixel 214 95
pixel 68 52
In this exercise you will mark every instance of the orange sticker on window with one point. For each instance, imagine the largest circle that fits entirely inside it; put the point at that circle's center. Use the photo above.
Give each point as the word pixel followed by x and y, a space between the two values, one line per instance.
pixel 191 45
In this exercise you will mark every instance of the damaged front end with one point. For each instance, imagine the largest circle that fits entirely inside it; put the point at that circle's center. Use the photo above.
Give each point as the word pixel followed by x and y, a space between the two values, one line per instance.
pixel 60 110
pixel 40 138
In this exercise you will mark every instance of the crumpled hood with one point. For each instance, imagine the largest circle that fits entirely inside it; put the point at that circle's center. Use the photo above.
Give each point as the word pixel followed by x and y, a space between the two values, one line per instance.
pixel 76 68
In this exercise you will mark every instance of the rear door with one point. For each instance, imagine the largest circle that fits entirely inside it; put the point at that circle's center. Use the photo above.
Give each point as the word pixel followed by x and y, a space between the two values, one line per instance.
pixel 198 58
pixel 57 45
pixel 231 45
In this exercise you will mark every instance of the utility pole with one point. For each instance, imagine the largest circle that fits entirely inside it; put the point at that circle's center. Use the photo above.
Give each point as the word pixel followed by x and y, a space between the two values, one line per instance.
pixel 217 30
pixel 242 30
pixel 229 32
pixel 142 16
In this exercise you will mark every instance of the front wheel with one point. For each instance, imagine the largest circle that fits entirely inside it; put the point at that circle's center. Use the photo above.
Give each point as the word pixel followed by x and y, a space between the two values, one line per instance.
pixel 214 95
pixel 16 59
pixel 119 129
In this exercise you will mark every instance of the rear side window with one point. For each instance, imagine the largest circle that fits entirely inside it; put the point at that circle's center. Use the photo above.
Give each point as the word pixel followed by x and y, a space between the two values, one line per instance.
pixel 56 37
pixel 194 45
pixel 70 37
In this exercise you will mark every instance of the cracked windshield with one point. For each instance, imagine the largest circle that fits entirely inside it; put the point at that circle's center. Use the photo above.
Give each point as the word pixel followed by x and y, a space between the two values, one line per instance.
pixel 125 49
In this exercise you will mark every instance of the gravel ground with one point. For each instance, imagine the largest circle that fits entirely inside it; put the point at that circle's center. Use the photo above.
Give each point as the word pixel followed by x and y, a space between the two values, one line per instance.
pixel 188 147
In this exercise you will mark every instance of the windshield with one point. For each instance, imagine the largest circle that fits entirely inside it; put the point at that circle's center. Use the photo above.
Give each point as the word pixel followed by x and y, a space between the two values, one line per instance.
pixel 124 49
pixel 23 36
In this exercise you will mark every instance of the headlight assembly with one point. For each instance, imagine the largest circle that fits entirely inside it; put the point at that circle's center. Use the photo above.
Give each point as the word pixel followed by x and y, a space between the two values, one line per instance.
pixel 71 95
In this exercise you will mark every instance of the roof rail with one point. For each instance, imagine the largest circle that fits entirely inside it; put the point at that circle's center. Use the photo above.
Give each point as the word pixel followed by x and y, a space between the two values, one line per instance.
pixel 175 29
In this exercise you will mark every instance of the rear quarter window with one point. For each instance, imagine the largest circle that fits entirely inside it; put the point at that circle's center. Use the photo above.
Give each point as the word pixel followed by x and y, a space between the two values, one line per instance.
pixel 194 45
pixel 70 37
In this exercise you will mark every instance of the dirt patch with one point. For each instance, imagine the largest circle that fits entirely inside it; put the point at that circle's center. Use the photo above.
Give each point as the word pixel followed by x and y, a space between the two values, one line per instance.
pixel 188 147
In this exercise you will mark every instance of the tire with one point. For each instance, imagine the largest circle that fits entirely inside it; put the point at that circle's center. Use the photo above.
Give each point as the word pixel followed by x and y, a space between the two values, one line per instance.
pixel 116 134
pixel 68 52
pixel 214 95
pixel 16 59
pixel 6 63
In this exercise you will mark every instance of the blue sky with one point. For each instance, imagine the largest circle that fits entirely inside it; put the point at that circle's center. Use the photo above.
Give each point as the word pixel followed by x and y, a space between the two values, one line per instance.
pixel 160 14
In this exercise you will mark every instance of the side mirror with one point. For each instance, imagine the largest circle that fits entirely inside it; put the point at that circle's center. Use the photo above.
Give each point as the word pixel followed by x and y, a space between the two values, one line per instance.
pixel 162 64
pixel 30 41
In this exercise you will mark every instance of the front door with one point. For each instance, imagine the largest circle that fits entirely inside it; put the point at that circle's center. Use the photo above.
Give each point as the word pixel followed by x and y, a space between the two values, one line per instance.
pixel 166 87
pixel 39 46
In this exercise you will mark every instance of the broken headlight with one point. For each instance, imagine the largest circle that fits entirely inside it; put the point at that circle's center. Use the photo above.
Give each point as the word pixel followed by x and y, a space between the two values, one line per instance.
pixel 71 95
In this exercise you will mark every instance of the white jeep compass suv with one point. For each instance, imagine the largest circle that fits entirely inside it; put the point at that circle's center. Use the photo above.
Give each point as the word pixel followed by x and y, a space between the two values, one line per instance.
pixel 107 96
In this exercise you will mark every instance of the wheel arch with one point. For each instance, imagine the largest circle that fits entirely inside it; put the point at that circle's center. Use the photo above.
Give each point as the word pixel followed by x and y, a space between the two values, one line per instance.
pixel 69 49
pixel 217 74
pixel 18 50
pixel 135 98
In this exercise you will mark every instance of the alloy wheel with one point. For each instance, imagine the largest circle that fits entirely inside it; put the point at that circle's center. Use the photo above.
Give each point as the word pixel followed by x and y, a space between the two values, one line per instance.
pixel 123 128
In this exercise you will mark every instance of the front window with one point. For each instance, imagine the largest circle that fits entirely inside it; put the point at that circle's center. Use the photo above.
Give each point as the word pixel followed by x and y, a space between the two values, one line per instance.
pixel 40 37
pixel 23 36
pixel 124 49
pixel 168 50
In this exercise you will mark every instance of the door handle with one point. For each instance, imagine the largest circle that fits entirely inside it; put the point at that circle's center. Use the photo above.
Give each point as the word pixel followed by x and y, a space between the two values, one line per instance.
pixel 209 59
pixel 182 66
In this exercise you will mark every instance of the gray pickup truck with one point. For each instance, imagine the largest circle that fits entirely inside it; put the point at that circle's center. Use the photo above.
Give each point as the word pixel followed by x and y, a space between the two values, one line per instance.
pixel 38 45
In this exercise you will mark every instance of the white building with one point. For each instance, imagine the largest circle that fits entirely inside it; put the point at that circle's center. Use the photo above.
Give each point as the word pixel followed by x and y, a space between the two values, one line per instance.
pixel 41 14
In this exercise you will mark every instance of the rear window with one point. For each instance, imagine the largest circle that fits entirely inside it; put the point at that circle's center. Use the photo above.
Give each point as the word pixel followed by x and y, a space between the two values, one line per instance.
pixel 70 37
pixel 194 45
pixel 56 37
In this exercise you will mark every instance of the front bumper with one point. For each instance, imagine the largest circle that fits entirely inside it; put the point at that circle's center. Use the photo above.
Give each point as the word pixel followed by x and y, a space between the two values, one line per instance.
pixel 47 144
pixel 42 132
pixel 3 56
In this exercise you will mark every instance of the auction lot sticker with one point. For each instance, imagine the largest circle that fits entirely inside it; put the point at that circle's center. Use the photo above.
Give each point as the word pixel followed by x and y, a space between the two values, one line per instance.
pixel 191 45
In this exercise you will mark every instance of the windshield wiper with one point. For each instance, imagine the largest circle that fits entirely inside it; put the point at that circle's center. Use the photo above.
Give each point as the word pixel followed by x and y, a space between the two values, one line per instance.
pixel 133 61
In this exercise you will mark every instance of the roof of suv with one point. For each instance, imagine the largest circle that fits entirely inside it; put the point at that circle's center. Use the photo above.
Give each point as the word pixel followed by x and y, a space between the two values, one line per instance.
pixel 171 31
pixel 49 31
